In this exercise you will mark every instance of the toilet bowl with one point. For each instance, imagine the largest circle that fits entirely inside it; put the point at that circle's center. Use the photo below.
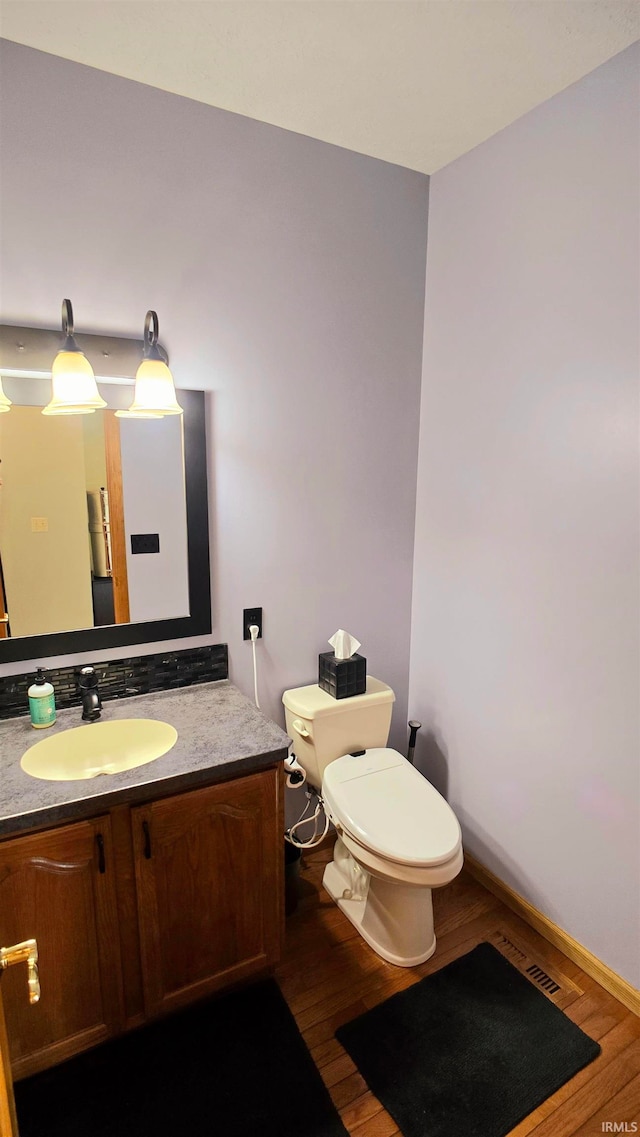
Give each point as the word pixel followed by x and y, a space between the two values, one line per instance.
pixel 397 836
pixel 397 839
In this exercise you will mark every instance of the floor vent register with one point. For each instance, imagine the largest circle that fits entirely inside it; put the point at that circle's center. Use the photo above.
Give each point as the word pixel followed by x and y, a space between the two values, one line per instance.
pixel 554 983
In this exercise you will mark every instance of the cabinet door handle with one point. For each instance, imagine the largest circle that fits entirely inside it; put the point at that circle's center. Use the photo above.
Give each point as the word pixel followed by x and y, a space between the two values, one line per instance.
pixel 101 861
pixel 147 840
pixel 26 952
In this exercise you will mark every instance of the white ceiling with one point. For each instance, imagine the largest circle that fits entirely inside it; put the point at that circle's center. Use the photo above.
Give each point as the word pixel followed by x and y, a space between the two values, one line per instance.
pixel 416 82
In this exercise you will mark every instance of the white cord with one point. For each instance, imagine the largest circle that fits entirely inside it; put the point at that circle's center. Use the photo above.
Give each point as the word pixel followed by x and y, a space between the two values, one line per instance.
pixel 302 818
pixel 254 629
pixel 316 837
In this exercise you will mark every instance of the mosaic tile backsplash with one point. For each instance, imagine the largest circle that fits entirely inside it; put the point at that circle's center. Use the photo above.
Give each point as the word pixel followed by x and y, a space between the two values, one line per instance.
pixel 121 678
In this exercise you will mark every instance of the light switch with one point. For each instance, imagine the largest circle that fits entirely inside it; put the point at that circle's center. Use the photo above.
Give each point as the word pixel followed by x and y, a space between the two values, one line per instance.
pixel 39 524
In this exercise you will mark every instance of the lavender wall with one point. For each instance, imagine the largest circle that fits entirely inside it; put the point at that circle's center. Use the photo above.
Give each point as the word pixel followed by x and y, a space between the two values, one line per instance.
pixel 289 279
pixel 524 662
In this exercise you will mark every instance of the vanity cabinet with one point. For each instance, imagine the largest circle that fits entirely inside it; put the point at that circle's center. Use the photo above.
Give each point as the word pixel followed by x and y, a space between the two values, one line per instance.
pixel 206 877
pixel 140 911
pixel 59 887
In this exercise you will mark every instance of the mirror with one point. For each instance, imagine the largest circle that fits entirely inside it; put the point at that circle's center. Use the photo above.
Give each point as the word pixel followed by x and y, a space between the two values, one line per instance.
pixel 93 517
pixel 103 520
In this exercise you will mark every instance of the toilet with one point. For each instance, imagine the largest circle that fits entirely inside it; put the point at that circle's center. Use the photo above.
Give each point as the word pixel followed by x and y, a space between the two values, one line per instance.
pixel 397 836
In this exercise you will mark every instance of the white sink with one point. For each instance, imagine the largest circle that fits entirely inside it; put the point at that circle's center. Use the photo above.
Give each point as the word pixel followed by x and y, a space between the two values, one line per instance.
pixel 98 748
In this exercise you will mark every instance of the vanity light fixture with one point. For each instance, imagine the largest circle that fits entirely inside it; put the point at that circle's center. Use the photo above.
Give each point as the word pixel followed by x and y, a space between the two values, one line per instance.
pixel 73 384
pixel 155 393
pixel 5 403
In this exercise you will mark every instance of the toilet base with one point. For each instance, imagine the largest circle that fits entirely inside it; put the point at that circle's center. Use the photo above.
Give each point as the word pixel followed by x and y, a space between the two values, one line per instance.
pixel 395 919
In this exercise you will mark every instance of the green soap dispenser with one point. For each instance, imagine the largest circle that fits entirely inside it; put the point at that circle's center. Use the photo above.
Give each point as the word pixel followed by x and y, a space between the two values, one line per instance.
pixel 42 702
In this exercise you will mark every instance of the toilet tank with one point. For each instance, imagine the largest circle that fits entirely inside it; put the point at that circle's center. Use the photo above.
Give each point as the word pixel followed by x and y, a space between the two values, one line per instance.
pixel 323 728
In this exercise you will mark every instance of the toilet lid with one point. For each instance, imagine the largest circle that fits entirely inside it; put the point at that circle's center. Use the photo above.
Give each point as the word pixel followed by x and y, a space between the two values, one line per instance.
pixel 387 806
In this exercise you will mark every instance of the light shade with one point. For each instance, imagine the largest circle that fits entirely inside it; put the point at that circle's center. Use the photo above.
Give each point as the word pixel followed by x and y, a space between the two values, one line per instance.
pixel 5 403
pixel 155 393
pixel 73 384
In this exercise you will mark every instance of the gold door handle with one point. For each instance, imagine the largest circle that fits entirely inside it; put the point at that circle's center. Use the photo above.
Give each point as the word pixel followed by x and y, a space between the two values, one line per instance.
pixel 26 952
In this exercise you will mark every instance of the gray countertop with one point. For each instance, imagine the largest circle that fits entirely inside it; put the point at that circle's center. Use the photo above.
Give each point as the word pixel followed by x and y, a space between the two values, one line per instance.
pixel 220 735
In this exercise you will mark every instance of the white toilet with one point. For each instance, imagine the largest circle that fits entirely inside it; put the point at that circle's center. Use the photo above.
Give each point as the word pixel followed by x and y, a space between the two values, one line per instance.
pixel 397 836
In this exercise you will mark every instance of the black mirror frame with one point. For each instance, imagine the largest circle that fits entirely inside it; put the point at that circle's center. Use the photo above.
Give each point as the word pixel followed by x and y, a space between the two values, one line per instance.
pixel 198 623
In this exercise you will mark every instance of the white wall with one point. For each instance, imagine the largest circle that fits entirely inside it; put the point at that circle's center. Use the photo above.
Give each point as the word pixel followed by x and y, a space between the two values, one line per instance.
pixel 524 662
pixel 154 502
pixel 288 276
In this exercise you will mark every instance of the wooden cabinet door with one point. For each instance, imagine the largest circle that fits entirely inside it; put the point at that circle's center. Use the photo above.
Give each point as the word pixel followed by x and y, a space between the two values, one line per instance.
pixel 8 1120
pixel 59 887
pixel 209 883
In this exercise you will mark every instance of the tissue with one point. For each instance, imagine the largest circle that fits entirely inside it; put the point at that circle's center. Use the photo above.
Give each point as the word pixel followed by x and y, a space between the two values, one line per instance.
pixel 344 645
pixel 342 673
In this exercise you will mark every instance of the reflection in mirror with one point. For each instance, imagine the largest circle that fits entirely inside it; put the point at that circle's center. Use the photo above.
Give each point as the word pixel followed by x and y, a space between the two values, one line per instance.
pixel 93 522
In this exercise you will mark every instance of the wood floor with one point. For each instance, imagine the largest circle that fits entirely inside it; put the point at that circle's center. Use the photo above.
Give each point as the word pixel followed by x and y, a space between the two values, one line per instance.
pixel 329 975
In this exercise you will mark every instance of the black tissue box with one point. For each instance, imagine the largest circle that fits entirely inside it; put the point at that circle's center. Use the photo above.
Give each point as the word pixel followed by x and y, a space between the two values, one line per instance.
pixel 342 677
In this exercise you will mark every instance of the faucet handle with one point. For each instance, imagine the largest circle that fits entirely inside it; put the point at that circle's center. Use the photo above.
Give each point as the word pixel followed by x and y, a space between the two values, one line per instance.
pixel 88 688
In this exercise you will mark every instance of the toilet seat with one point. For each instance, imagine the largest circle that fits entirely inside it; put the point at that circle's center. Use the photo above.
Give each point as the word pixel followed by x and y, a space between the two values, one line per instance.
pixel 385 807
pixel 424 876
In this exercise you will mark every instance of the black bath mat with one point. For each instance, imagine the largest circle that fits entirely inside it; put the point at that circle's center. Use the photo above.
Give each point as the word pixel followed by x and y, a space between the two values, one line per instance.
pixel 231 1067
pixel 471 1049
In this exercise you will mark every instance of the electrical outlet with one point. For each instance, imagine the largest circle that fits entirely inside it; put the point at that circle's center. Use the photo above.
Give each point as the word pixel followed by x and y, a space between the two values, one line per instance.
pixel 251 616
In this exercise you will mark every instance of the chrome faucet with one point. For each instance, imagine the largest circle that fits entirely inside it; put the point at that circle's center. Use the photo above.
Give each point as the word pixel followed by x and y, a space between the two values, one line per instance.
pixel 88 687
